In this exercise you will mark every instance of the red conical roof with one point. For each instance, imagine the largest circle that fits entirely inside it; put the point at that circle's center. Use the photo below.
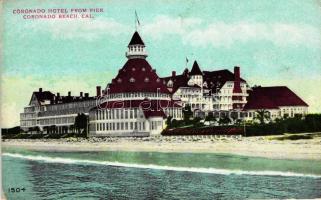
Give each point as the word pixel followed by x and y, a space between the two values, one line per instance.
pixel 137 76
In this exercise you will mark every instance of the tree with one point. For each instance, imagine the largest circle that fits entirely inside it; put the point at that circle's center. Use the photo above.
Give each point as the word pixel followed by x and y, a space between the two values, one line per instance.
pixel 197 122
pixel 210 117
pixel 238 122
pixel 234 116
pixel 262 115
pixel 81 122
pixel 225 120
pixel 169 121
pixel 187 113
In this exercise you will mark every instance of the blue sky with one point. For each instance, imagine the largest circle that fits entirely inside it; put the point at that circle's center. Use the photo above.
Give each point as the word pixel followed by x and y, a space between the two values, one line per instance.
pixel 274 42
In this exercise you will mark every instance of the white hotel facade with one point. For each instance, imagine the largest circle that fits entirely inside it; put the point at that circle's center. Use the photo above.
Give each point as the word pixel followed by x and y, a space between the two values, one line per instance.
pixel 137 102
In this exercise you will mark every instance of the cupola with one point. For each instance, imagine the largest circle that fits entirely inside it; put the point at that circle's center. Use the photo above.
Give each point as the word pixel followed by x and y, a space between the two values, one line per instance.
pixel 136 47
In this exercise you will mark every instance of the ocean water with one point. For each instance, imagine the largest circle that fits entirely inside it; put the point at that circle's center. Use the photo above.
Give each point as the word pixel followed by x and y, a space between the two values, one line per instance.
pixel 143 175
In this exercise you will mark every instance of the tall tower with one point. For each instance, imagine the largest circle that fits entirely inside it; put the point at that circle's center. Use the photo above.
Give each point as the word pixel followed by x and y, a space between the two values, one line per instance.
pixel 136 47
pixel 196 75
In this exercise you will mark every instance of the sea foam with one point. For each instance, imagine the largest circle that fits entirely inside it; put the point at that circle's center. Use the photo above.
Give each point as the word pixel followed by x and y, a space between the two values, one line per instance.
pixel 158 167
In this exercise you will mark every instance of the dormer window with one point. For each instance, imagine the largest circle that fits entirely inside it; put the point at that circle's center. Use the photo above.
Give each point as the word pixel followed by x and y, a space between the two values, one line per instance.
pixel 119 80
pixel 132 80
pixel 143 69
pixel 205 84
pixel 133 69
pixel 158 80
pixel 146 80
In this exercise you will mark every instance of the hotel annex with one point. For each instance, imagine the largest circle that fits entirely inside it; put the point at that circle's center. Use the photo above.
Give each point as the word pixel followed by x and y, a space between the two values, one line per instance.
pixel 137 101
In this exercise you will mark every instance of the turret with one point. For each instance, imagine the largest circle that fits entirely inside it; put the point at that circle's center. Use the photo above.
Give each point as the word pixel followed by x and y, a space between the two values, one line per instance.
pixel 136 47
pixel 196 75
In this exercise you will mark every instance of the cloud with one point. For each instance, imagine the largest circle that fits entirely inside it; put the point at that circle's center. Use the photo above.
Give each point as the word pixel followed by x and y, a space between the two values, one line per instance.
pixel 88 29
pixel 15 97
pixel 195 32
pixel 192 31
pixel 225 35
pixel 164 25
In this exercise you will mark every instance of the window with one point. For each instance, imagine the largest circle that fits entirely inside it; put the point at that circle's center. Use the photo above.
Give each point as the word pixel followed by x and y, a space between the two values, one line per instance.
pixel 121 114
pixel 132 80
pixel 117 114
pixel 126 114
pixel 135 113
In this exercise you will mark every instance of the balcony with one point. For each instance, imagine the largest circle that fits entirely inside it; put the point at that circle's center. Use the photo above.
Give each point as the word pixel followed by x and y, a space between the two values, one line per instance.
pixel 133 54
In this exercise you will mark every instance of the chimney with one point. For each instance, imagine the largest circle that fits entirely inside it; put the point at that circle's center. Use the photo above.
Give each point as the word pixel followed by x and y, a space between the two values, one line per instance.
pixel 237 80
pixel 98 91
pixel 57 97
pixel 173 73
pixel 40 89
pixel 86 95
pixel 69 93
pixel 154 70
pixel 81 94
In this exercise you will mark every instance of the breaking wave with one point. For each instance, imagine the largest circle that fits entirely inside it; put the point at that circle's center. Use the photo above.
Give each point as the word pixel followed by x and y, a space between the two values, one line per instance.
pixel 158 167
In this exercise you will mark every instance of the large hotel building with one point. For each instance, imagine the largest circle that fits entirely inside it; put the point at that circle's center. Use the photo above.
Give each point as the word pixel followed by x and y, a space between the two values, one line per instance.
pixel 137 102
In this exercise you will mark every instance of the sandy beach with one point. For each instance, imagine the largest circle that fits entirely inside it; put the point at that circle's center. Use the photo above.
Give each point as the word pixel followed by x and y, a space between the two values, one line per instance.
pixel 252 146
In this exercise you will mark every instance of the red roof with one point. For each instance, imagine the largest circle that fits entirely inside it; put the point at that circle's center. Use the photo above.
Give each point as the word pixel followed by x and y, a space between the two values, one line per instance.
pixel 137 76
pixel 151 108
pixel 45 95
pixel 272 98
pixel 214 79
pixel 144 104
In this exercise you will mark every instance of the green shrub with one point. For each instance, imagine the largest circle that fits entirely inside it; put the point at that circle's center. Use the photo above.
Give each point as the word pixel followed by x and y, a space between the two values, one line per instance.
pixel 294 137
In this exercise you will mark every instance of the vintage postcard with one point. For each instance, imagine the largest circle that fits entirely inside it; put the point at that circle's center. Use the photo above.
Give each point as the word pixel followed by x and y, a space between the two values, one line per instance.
pixel 162 99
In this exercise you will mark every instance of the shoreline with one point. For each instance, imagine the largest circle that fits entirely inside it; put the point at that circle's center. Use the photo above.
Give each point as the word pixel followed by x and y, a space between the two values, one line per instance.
pixel 307 149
